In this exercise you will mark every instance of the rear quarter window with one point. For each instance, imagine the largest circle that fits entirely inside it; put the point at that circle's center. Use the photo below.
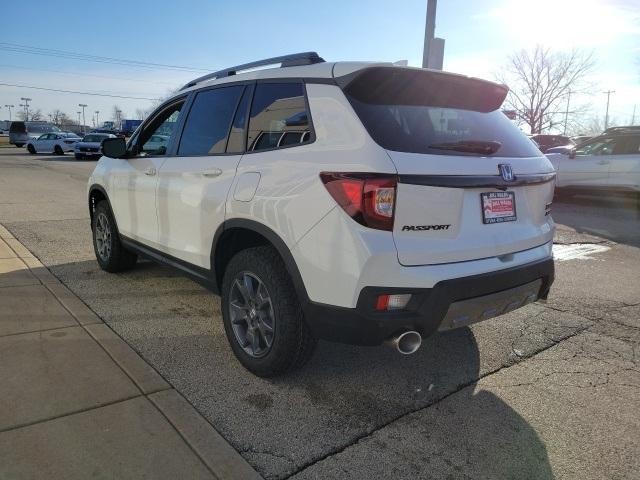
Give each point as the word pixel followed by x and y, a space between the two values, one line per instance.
pixel 279 117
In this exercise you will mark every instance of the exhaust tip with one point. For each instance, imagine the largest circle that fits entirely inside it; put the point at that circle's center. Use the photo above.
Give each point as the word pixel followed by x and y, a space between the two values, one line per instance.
pixel 408 342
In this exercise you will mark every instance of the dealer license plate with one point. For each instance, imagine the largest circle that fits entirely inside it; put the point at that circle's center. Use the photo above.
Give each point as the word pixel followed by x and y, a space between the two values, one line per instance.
pixel 498 207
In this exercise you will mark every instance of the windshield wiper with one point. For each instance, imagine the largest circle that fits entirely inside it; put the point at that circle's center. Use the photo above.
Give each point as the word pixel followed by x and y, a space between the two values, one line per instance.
pixel 469 146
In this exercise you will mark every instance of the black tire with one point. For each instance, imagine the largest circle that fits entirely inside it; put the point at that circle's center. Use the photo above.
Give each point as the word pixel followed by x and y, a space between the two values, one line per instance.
pixel 78 156
pixel 31 149
pixel 19 145
pixel 293 342
pixel 112 257
pixel 58 150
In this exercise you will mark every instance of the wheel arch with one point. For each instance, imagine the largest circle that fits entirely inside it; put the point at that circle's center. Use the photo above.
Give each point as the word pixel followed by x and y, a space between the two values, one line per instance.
pixel 97 193
pixel 238 234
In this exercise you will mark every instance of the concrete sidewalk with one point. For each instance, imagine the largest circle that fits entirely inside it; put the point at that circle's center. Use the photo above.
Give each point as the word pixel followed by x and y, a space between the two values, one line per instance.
pixel 77 402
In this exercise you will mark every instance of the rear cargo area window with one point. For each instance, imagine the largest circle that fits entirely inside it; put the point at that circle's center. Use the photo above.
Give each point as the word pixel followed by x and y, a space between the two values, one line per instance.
pixel 436 113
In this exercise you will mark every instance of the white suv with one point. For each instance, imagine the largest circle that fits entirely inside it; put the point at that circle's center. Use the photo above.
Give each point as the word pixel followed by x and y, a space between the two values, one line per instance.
pixel 352 202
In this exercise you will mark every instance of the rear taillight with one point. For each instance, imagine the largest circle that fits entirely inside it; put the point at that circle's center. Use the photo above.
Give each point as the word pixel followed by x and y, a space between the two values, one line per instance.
pixel 368 198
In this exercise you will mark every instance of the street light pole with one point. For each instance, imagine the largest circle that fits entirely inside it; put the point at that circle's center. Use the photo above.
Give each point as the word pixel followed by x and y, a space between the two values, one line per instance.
pixel 97 119
pixel 83 105
pixel 566 113
pixel 433 49
pixel 78 112
pixel 606 115
pixel 26 108
pixel 10 107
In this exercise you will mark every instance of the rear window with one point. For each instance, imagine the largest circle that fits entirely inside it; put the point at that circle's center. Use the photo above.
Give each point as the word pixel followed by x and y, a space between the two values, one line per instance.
pixel 430 112
pixel 17 127
pixel 94 138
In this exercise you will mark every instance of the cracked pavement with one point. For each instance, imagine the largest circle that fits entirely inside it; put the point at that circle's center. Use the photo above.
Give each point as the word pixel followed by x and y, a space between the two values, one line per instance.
pixel 548 391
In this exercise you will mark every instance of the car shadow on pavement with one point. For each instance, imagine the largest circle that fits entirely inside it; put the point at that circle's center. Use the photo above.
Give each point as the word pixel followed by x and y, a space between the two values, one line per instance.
pixel 426 406
pixel 614 217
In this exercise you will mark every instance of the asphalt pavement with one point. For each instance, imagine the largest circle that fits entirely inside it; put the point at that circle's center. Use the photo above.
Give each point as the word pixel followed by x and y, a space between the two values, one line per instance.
pixel 548 391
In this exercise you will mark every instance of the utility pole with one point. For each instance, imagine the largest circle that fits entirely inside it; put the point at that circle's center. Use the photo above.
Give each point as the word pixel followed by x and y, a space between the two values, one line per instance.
pixel 118 120
pixel 633 115
pixel 26 107
pixel 79 127
pixel 97 120
pixel 606 115
pixel 566 113
pixel 10 107
pixel 83 105
pixel 433 49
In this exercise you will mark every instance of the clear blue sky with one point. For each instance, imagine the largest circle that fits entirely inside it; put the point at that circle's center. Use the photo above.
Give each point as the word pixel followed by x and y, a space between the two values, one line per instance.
pixel 213 34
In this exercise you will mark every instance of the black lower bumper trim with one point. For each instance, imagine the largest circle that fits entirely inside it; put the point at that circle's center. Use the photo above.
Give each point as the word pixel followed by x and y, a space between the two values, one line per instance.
pixel 426 310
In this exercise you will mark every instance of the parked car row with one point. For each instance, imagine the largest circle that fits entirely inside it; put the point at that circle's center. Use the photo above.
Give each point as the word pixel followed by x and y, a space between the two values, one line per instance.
pixel 60 143
pixel 610 161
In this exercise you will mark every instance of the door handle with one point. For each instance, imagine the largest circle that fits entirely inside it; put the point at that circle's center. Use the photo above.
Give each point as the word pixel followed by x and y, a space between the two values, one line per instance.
pixel 603 162
pixel 215 172
pixel 151 171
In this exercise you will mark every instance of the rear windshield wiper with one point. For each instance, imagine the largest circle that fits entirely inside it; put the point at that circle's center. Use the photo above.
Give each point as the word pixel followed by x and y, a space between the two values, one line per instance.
pixel 469 146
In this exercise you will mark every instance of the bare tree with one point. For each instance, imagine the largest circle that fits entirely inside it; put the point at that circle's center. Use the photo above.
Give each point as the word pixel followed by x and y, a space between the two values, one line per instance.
pixel 140 114
pixel 34 115
pixel 57 117
pixel 540 83
pixel 116 116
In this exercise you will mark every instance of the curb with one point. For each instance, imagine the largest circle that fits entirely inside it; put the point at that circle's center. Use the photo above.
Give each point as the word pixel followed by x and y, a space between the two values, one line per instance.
pixel 203 439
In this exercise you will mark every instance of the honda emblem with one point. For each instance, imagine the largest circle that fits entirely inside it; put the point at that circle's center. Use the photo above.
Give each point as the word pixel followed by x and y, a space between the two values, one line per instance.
pixel 506 172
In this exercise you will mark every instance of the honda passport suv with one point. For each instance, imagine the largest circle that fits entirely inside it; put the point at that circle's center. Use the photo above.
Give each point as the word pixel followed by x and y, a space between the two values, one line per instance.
pixel 354 202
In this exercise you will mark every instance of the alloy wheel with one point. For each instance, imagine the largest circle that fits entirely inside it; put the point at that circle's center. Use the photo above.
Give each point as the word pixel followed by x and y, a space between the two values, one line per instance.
pixel 103 237
pixel 251 314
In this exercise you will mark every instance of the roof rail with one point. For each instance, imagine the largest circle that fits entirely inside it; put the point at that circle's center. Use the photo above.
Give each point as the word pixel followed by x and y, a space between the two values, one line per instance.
pixel 292 60
pixel 628 128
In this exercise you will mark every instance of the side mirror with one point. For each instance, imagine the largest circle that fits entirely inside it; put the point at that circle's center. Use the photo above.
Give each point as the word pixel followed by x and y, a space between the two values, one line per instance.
pixel 572 153
pixel 114 147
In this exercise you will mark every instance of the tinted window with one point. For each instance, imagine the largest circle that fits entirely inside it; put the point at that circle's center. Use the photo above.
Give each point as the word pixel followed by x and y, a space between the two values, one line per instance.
pixel 238 134
pixel 209 120
pixel 602 146
pixel 632 146
pixel 94 138
pixel 17 127
pixel 277 109
pixel 424 112
pixel 155 137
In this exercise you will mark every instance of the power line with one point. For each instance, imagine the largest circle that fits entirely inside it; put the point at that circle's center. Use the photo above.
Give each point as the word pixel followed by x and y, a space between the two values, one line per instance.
pixel 89 75
pixel 77 92
pixel 49 52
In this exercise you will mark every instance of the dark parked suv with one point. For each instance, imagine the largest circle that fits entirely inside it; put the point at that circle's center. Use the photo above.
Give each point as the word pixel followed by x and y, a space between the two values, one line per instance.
pixel 545 142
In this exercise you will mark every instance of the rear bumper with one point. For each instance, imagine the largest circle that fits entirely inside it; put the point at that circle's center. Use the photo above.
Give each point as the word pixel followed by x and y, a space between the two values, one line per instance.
pixel 427 308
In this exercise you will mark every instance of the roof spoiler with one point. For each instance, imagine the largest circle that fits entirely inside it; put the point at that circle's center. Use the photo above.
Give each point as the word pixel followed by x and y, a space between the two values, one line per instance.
pixel 389 85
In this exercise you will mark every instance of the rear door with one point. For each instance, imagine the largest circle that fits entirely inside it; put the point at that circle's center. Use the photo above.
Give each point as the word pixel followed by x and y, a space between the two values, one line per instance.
pixel 471 184
pixel 624 172
pixel 194 184
pixel 589 165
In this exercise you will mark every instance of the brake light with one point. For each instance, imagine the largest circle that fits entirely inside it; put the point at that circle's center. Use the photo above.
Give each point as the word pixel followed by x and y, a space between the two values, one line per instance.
pixel 368 198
